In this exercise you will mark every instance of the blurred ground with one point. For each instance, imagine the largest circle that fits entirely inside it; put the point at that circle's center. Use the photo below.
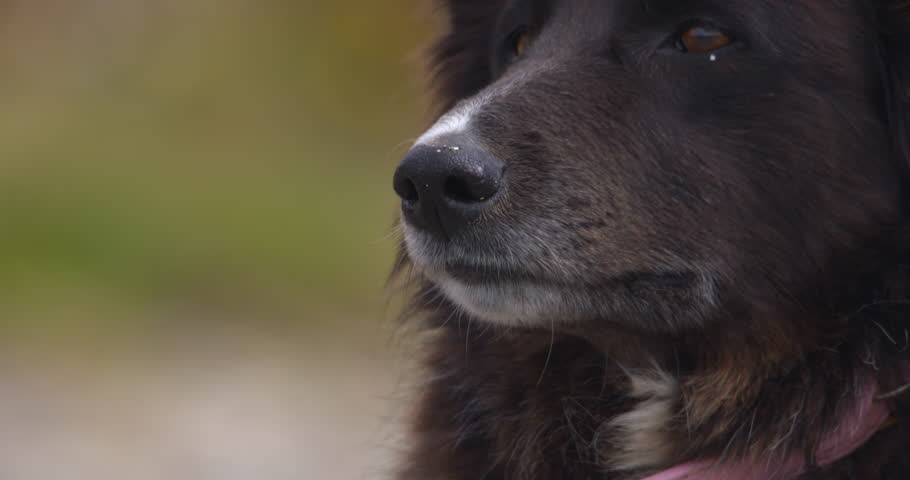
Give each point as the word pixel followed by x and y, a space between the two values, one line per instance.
pixel 229 406
pixel 195 213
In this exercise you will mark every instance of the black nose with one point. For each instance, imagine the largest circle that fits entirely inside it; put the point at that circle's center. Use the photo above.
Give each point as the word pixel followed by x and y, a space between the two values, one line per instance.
pixel 444 188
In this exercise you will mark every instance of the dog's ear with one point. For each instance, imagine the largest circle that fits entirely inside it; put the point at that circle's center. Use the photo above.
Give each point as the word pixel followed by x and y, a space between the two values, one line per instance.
pixel 895 28
pixel 460 57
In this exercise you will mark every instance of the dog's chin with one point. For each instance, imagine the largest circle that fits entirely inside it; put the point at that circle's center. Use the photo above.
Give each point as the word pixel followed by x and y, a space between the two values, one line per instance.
pixel 493 293
pixel 502 302
pixel 507 293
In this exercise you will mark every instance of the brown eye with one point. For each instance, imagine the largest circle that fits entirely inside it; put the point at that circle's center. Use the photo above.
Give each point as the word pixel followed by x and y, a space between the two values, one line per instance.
pixel 520 42
pixel 703 39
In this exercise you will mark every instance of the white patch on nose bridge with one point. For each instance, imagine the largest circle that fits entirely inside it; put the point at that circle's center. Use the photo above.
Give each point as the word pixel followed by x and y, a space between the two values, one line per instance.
pixel 455 121
pixel 459 117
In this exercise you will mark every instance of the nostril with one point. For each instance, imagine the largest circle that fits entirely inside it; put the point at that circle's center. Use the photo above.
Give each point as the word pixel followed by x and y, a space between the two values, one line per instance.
pixel 458 189
pixel 404 186
pixel 408 191
pixel 469 189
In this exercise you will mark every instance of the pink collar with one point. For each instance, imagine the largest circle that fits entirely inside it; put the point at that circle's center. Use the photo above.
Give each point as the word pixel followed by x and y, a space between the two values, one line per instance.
pixel 868 417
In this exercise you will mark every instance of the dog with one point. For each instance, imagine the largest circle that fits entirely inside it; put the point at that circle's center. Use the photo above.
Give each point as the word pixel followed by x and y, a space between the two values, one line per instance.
pixel 662 239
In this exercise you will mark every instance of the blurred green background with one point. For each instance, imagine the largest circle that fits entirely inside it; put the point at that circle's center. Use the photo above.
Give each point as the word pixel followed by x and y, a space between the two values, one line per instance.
pixel 195 228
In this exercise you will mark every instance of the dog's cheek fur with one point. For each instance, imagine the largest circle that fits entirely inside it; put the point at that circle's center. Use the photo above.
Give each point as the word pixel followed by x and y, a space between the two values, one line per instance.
pixel 896 63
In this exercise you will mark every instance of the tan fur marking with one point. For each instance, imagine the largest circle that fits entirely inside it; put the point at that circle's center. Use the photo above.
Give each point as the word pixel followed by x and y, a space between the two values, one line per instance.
pixel 643 435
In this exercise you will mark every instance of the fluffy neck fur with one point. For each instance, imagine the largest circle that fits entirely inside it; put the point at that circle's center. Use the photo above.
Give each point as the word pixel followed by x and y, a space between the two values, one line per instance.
pixel 607 403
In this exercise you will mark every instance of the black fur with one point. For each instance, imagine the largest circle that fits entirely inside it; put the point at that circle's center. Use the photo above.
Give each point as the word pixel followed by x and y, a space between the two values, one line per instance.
pixel 737 224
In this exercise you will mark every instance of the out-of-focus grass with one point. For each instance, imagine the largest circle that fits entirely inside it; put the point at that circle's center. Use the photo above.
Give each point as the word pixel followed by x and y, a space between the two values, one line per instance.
pixel 231 154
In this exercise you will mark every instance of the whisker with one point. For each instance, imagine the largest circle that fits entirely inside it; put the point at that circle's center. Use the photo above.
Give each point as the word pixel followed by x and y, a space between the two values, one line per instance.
pixel 880 327
pixel 549 352
pixel 396 229
pixel 397 146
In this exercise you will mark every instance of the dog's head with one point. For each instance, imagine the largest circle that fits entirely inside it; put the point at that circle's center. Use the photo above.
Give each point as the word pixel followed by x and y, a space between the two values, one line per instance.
pixel 652 163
